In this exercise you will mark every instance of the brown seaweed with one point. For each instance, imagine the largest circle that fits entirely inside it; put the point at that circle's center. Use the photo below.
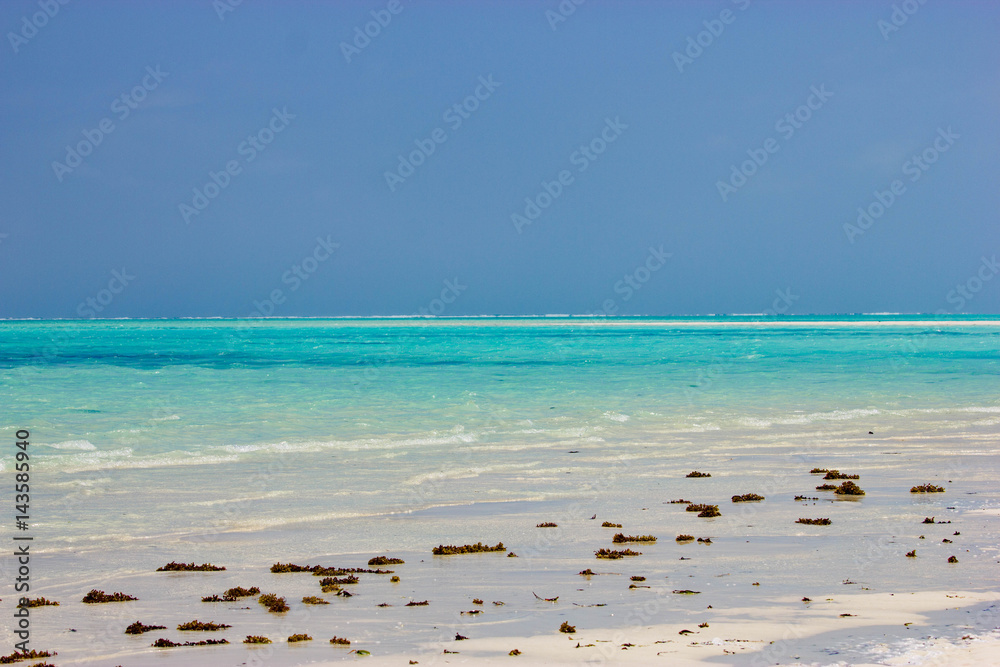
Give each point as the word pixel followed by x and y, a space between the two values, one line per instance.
pixel 615 555
pixel 256 639
pixel 166 643
pixel 927 488
pixel 567 628
pixel 695 473
pixel 705 540
pixel 299 638
pixel 547 524
pixel 686 592
pixel 282 568
pixel 836 474
pixel 273 603
pixel 38 602
pixel 911 554
pixel 312 599
pixel 138 628
pixel 849 489
pixel 608 524
pixel 199 625
pixel 621 538
pixel 189 567
pixel 952 559
pixel 97 597
pixel 340 641
pixel 747 497
pixel 385 560
pixel 699 507
pixel 814 522
pixel 478 547
pixel 710 512
pixel 684 538
pixel 826 487
pixel 413 603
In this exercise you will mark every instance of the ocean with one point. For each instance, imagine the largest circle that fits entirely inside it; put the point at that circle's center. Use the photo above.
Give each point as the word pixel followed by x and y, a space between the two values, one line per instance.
pixel 328 441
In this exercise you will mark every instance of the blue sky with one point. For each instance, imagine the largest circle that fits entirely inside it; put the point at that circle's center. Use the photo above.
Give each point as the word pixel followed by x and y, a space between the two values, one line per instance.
pixel 822 105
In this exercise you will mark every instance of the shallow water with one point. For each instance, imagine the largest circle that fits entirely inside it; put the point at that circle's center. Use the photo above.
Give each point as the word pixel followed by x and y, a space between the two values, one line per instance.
pixel 330 441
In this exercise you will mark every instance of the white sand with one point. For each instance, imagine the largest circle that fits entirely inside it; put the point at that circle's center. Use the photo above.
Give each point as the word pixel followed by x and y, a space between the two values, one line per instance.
pixel 748 636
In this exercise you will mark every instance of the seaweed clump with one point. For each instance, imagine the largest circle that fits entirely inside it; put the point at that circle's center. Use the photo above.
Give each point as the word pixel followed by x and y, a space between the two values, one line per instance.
pixel 747 497
pixel 805 498
pixel 911 554
pixel 814 522
pixel 826 487
pixel 478 547
pixel 816 470
pixel 927 488
pixel 384 560
pixel 586 573
pixel 705 540
pixel 37 602
pixel 282 568
pixel 256 639
pixel 836 474
pixel 621 538
pixel 567 628
pixel 198 625
pixel 637 578
pixel 608 524
pixel 710 511
pixel 952 559
pixel 138 628
pixel 615 555
pixel 189 567
pixel 849 489
pixel 698 507
pixel 680 501
pixel 273 603
pixel 299 638
pixel 233 594
pixel 340 641
pixel 547 524
pixel 312 599
pixel 166 643
pixel 695 473
pixel 928 519
pixel 414 603
pixel 24 655
pixel 335 581
pixel 684 538
pixel 686 592
pixel 97 597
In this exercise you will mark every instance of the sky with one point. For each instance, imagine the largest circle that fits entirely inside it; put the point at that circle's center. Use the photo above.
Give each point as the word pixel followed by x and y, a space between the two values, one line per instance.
pixel 200 158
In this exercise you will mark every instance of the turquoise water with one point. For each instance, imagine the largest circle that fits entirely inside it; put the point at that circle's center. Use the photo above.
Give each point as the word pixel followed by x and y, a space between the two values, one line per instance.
pixel 247 442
